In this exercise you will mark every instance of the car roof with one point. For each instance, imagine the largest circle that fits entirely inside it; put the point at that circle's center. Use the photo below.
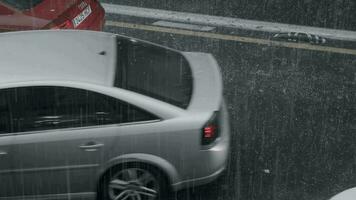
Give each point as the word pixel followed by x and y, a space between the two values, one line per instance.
pixel 60 55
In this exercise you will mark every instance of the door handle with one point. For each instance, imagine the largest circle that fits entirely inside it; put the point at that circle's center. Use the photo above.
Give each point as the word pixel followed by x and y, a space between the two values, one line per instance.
pixel 2 153
pixel 91 146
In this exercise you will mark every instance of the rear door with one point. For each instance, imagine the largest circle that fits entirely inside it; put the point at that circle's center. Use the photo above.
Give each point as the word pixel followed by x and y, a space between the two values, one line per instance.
pixel 6 161
pixel 50 140
pixel 6 166
pixel 9 182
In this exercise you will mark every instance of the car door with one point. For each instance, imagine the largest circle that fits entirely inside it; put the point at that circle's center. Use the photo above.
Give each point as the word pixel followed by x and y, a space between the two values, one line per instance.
pixel 55 148
pixel 61 135
pixel 9 182
pixel 6 176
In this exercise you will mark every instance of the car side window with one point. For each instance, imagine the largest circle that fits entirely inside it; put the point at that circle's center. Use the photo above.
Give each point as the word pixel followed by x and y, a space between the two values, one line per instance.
pixel 6 112
pixel 45 108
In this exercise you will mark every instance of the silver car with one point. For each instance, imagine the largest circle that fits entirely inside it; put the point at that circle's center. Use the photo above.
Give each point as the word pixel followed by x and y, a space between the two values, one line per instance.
pixel 88 115
pixel 349 194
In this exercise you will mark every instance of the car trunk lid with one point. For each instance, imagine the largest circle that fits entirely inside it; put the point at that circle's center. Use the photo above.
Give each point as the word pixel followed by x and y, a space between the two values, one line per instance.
pixel 207 82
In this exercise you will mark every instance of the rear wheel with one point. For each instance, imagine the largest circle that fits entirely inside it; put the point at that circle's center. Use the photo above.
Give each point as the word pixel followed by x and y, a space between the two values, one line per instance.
pixel 134 182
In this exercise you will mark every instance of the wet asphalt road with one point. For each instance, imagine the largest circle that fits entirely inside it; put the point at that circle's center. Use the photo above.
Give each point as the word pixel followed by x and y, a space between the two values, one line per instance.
pixel 293 118
pixel 338 14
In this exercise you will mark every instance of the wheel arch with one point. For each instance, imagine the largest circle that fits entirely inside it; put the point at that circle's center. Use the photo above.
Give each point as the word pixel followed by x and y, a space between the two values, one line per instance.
pixel 145 159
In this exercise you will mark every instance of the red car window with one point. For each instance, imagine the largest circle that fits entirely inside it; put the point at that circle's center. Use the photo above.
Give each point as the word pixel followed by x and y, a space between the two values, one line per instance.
pixel 22 4
pixel 5 11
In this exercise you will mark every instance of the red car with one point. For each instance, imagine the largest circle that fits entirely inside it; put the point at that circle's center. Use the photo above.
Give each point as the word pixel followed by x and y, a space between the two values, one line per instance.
pixel 51 14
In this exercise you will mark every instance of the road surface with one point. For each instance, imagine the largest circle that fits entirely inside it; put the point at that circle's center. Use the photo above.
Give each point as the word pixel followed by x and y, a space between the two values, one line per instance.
pixel 292 105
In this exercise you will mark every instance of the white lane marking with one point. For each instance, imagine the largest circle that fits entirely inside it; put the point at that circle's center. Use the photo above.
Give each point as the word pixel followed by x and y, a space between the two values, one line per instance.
pixel 209 20
pixel 183 26
pixel 231 38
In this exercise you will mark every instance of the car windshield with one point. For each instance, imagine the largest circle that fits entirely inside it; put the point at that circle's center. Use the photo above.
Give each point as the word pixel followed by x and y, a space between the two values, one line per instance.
pixel 154 71
pixel 22 4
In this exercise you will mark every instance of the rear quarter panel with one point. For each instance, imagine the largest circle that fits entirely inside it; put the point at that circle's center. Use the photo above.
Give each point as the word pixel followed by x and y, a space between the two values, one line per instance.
pixel 172 144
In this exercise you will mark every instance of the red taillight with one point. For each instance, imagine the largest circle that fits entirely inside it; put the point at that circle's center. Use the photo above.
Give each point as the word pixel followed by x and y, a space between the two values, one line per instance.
pixel 65 25
pixel 210 130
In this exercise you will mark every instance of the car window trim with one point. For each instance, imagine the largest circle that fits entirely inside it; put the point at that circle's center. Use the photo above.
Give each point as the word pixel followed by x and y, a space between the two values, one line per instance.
pixel 7 134
pixel 81 128
pixel 155 119
pixel 12 6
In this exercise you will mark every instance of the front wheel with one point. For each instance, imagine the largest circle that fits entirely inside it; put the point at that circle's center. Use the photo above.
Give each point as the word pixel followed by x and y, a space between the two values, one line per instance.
pixel 134 182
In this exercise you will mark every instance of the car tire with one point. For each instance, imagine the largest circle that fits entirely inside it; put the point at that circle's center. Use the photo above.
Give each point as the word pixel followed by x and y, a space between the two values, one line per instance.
pixel 128 181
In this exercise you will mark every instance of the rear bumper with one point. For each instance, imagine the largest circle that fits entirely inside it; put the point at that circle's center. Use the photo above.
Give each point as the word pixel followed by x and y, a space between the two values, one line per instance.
pixel 198 181
pixel 209 163
pixel 209 167
pixel 96 22
pixel 99 22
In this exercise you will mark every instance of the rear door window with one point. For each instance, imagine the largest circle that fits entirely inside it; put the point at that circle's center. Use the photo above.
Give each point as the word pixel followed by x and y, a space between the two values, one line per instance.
pixel 44 108
pixel 6 112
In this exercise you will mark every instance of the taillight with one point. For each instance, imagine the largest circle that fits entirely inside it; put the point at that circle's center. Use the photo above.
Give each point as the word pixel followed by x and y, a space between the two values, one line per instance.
pixel 65 25
pixel 210 131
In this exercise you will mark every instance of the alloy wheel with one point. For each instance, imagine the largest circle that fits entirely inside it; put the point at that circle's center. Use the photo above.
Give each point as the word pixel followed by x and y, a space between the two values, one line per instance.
pixel 133 184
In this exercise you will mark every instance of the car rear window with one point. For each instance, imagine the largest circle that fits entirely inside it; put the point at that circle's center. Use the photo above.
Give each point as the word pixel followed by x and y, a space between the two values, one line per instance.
pixel 154 71
pixel 22 4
